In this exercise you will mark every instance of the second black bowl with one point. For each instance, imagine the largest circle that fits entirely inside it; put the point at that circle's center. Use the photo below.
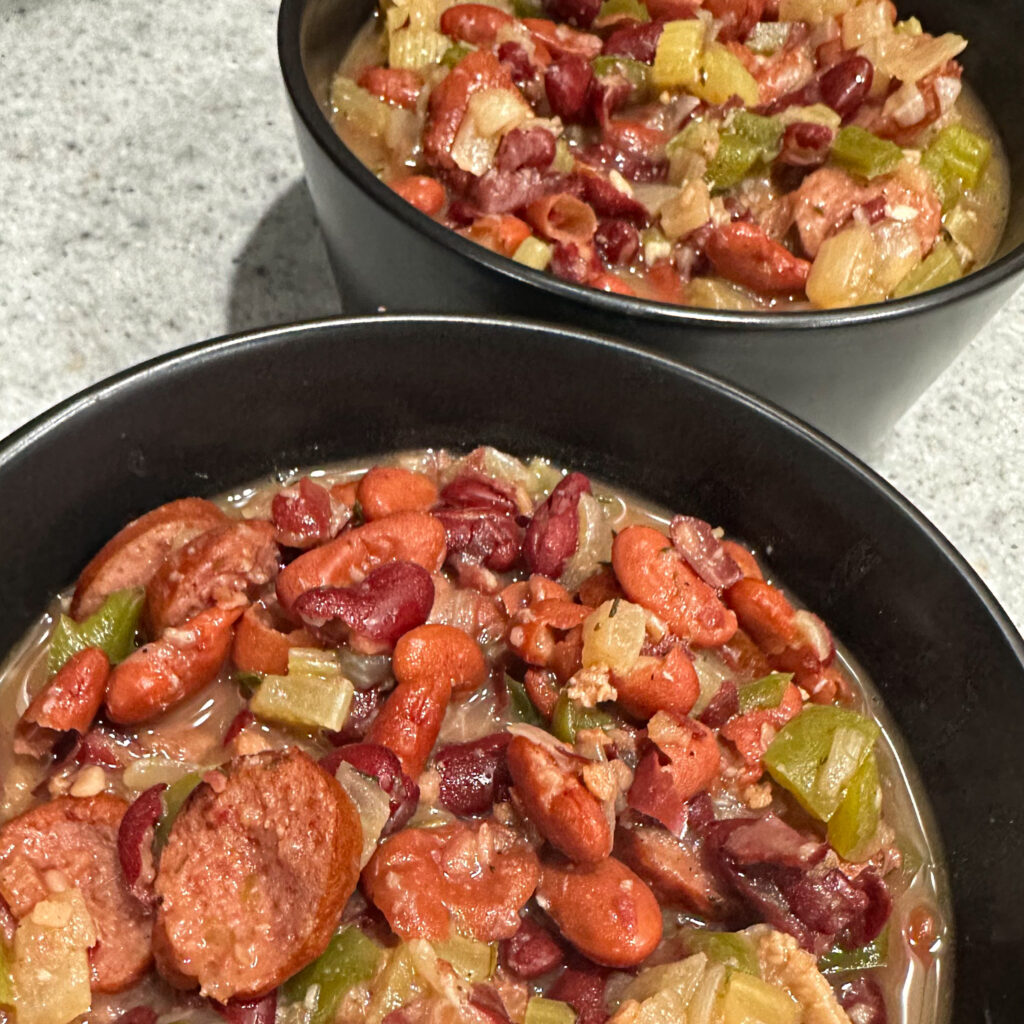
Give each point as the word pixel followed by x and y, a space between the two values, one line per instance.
pixel 851 373
pixel 946 661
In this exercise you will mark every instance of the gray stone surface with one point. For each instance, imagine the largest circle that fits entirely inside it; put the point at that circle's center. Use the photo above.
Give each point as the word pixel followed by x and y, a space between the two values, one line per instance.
pixel 151 196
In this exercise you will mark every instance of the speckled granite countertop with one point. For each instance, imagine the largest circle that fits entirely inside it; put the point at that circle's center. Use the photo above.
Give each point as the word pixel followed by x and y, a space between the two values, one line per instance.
pixel 126 230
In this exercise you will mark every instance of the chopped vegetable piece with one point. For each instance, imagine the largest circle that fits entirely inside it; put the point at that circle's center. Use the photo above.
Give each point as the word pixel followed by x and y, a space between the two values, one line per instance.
pixel 350 958
pixel 765 132
pixel 520 707
pixel 569 718
pixel 532 252
pixel 6 991
pixel 768 37
pixel 721 75
pixel 676 58
pixel 956 160
pixel 733 949
pixel 454 54
pixel 50 972
pixel 816 755
pixel 863 153
pixel 843 271
pixel 764 693
pixel 748 1000
pixel 362 110
pixel 528 8
pixel 402 979
pixel 472 960
pixel 417 48
pixel 664 992
pixel 732 163
pixel 614 634
pixel 854 826
pixel 174 797
pixel 313 695
pixel 874 954
pixel 548 1011
pixel 940 267
pixel 623 9
pixel 635 72
pixel 111 628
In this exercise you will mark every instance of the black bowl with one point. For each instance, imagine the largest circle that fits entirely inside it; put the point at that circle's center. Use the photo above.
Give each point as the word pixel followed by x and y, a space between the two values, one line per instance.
pixel 945 658
pixel 851 373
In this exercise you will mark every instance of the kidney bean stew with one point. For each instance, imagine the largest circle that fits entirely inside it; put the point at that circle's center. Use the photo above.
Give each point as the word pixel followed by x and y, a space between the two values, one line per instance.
pixel 731 154
pixel 451 739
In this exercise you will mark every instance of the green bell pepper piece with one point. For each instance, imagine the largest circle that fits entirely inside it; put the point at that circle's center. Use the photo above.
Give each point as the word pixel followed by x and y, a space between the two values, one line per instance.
pixel 569 718
pixel 865 154
pixel 528 8
pixel 766 692
pixel 855 822
pixel 734 160
pixel 520 706
pixel 636 73
pixel 874 954
pixel 350 958
pixel 111 628
pixel 454 54
pixel 816 755
pixel 633 9
pixel 174 797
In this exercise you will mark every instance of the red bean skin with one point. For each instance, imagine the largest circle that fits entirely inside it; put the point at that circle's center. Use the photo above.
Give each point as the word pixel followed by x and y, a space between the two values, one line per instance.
pixel 846 86
pixel 567 83
pixel 553 533
pixel 474 775
pixel 531 952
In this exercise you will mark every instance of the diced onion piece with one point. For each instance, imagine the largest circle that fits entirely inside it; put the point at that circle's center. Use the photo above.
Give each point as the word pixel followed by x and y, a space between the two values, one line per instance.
pixel 594 544
pixel 151 771
pixel 768 37
pixel 472 960
pixel 689 210
pixel 906 106
pixel 664 992
pixel 711 671
pixel 714 293
pixel 850 746
pixel 704 1001
pixel 866 21
pixel 613 635
pixel 50 971
pixel 747 999
pixel 898 248
pixel 910 58
pixel 542 479
pixel 490 113
pixel 841 275
pixel 371 802
pixel 675 60
pixel 532 252
pixel 363 111
pixel 813 10
pixel 415 49
pixel 816 113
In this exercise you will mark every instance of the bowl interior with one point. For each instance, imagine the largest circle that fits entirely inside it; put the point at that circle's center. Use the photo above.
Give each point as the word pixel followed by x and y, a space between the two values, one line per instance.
pixel 945 659
pixel 326 29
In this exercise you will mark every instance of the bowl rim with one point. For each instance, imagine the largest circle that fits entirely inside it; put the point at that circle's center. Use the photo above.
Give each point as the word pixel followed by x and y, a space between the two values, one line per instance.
pixel 20 442
pixel 289 27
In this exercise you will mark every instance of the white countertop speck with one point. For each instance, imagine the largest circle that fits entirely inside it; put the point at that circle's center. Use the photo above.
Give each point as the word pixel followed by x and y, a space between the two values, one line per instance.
pixel 151 195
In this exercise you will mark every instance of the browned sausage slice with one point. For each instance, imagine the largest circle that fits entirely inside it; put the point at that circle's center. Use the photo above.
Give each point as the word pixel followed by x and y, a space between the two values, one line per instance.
pixel 78 838
pixel 222 566
pixel 132 555
pixel 258 868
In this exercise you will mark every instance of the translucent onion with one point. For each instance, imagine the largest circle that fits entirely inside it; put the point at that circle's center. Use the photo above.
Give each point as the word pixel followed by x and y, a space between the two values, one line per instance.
pixel 689 209
pixel 594 545
pixel 867 21
pixel 372 805
pixel 841 275
pixel 489 114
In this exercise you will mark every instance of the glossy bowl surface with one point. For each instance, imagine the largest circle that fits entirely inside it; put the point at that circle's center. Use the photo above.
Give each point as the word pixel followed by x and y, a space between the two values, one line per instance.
pixel 947 662
pixel 851 373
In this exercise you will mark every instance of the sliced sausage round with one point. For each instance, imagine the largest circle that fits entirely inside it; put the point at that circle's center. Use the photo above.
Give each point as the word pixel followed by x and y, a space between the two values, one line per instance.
pixel 257 870
pixel 78 838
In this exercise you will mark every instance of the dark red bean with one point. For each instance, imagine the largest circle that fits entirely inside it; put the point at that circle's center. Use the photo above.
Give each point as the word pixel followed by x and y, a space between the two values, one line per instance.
pixel 365 705
pixel 617 241
pixel 608 201
pixel 571 263
pixel 580 13
pixel 381 764
pixel 607 95
pixel 515 57
pixel 695 540
pixel 504 191
pixel 248 1011
pixel 735 17
pixel 474 490
pixel 583 989
pixel 567 82
pixel 304 518
pixel 474 776
pixel 135 842
pixel 553 533
pixel 138 1015
pixel 805 144
pixel 525 147
pixel 393 599
pixel 531 952
pixel 635 39
pixel 490 538
pixel 241 721
pixel 806 96
pixel 863 1001
pixel 874 209
pixel 487 1001
pixel 721 707
pixel 846 86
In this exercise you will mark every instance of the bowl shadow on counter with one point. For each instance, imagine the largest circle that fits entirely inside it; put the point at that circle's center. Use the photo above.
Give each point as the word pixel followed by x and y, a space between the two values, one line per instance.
pixel 282 274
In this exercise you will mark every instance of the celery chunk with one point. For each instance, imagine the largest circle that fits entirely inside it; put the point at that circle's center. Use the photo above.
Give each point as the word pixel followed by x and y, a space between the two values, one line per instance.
pixel 748 1000
pixel 548 1011
pixel 865 154
pixel 111 628
pixel 852 829
pixel 732 949
pixel 676 58
pixel 766 692
pixel 632 9
pixel 313 695
pixel 569 718
pixel 472 960
pixel 956 160
pixel 940 267
pixel 874 954
pixel 532 252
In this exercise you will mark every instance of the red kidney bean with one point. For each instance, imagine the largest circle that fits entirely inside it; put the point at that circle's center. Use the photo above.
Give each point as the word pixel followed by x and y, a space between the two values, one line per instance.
pixel 504 191
pixel 607 95
pixel 531 952
pixel 805 144
pixel 735 17
pixel 567 82
pixel 365 705
pixel 721 707
pixel 393 599
pixel 491 538
pixel 135 843
pixel 553 533
pixel 874 209
pixel 846 86
pixel 583 989
pixel 806 96
pixel 474 490
pixel 478 24
pixel 381 764
pixel 487 1001
pixel 635 39
pixel 863 1001
pixel 608 201
pixel 695 540
pixel 571 263
pixel 516 58
pixel 634 163
pixel 248 1011
pixel 400 87
pixel 474 775
pixel 617 241
pixel 138 1015
pixel 525 147
pixel 580 13
pixel 302 516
